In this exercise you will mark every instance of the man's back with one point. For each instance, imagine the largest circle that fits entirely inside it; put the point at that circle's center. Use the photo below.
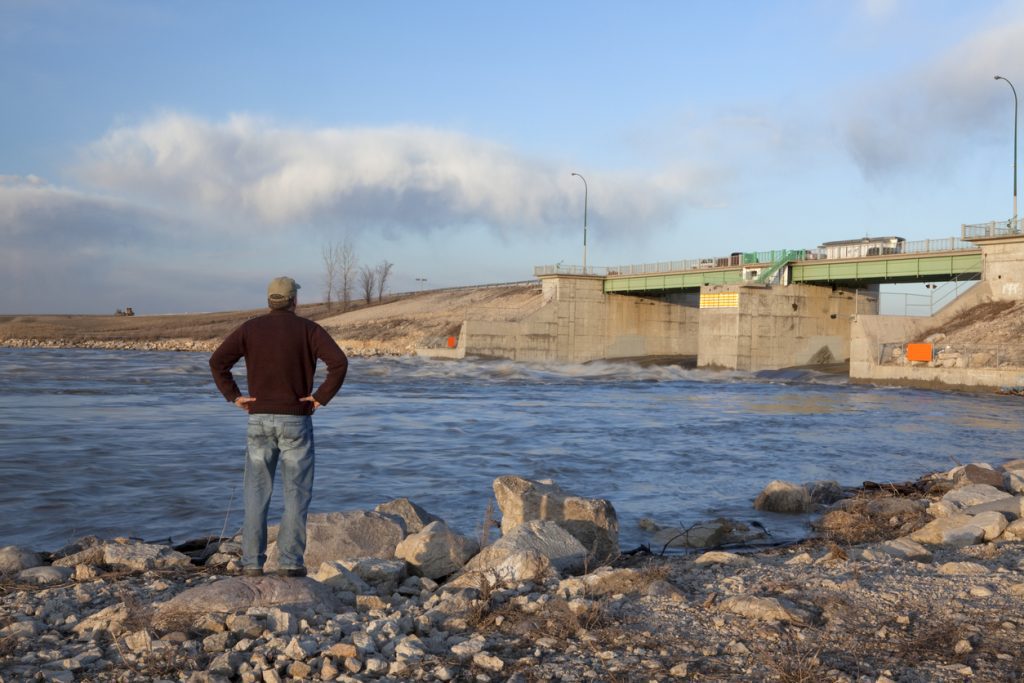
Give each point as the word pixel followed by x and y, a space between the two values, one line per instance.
pixel 280 351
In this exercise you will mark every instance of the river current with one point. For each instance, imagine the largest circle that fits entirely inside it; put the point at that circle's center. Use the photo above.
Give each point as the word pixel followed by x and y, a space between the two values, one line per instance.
pixel 121 443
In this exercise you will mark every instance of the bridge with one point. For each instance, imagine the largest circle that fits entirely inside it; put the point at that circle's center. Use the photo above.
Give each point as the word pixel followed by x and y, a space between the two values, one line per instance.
pixel 916 262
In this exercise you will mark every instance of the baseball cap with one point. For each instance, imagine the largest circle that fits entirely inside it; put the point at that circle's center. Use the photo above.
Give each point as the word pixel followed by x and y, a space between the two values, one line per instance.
pixel 282 288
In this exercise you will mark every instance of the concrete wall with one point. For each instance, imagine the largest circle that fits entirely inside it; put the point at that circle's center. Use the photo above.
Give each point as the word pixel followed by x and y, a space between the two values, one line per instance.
pixel 580 323
pixel 1003 266
pixel 774 327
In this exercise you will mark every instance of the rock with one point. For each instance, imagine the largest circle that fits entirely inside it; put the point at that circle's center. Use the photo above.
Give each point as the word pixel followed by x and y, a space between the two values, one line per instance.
pixel 957 530
pixel 707 534
pixel 592 521
pixel 1016 465
pixel 974 494
pixel 436 551
pixel 510 570
pixel 338 576
pixel 1014 481
pixel 900 548
pixel 765 609
pixel 962 568
pixel 604 581
pixel 974 474
pixel 488 661
pixel 142 557
pixel 1010 507
pixel 993 523
pixel 891 506
pixel 547 538
pixel 824 492
pixel 1014 531
pixel 666 591
pixel 716 557
pixel 14 559
pixel 783 496
pixel 413 515
pixel 383 575
pixel 45 575
pixel 346 536
pixel 241 593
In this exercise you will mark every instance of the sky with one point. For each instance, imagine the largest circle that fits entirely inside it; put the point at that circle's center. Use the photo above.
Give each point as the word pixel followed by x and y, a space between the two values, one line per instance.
pixel 174 157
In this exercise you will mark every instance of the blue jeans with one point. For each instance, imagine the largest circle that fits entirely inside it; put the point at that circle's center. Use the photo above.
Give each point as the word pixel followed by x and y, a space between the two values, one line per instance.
pixel 288 438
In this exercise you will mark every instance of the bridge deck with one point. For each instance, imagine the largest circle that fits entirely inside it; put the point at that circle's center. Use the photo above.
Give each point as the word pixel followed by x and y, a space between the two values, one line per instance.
pixel 889 268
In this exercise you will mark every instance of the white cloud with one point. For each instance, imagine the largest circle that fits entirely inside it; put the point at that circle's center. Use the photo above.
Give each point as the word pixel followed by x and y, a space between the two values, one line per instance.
pixel 247 173
pixel 931 116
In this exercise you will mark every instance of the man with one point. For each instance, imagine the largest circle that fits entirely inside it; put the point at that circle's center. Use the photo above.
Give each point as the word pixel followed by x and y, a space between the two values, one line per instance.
pixel 280 350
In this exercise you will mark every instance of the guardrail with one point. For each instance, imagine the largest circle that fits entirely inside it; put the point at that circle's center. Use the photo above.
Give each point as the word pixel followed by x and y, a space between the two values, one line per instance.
pixel 739 259
pixel 955 356
pixel 991 229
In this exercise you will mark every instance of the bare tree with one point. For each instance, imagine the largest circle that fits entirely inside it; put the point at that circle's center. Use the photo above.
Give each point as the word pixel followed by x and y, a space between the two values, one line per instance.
pixel 368 281
pixel 383 271
pixel 348 265
pixel 331 254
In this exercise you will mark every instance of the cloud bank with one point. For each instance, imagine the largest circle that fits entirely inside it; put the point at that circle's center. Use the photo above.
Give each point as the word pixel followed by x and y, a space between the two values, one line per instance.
pixel 245 173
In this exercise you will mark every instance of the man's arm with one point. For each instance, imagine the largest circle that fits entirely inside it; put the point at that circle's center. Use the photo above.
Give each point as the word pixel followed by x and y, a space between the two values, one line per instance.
pixel 336 361
pixel 221 362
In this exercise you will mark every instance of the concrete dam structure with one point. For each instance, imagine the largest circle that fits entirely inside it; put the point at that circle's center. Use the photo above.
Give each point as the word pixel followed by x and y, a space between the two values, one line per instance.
pixel 741 326
pixel 791 309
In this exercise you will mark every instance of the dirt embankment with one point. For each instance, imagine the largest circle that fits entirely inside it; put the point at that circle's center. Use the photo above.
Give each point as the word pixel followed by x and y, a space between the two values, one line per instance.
pixel 395 326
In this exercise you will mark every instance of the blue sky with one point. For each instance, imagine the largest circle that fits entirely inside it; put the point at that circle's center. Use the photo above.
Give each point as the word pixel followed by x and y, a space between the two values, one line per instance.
pixel 175 156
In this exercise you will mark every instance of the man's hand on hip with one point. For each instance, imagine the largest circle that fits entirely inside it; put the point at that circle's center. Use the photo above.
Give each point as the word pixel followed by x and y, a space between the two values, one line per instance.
pixel 310 399
pixel 243 402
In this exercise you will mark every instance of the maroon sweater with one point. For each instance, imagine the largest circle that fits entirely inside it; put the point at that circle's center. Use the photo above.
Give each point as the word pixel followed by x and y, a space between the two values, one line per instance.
pixel 280 351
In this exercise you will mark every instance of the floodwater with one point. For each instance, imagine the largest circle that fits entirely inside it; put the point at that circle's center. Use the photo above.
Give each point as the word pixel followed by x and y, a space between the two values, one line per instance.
pixel 141 444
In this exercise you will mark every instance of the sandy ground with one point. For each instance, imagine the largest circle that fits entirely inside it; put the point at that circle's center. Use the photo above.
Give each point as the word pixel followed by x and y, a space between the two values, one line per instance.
pixel 393 327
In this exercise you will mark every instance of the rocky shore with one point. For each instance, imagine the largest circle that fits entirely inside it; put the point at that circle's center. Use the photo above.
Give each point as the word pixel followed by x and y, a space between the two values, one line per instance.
pixel 916 581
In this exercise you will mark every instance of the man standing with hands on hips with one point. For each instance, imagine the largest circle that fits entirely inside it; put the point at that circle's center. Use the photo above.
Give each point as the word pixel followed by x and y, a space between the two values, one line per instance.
pixel 281 351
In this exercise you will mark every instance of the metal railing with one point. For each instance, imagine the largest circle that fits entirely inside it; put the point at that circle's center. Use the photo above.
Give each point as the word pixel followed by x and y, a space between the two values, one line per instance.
pixel 737 259
pixel 955 355
pixel 991 229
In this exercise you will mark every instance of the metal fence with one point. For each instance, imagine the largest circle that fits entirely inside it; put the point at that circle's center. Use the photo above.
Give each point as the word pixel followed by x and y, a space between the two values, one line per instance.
pixel 955 355
pixel 991 229
pixel 743 259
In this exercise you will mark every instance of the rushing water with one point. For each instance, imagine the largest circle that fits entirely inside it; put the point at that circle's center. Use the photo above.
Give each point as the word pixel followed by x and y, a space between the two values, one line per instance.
pixel 141 444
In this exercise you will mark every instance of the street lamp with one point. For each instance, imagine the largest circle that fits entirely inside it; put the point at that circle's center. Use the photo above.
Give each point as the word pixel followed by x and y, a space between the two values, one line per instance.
pixel 1000 78
pixel 422 281
pixel 585 193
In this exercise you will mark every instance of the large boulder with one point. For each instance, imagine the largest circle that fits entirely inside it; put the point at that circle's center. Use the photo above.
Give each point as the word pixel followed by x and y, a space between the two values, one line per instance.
pixel 414 516
pixel 346 536
pixel 784 496
pixel 238 594
pixel 974 494
pixel 546 538
pixel 973 474
pixel 14 559
pixel 957 530
pixel 592 521
pixel 436 551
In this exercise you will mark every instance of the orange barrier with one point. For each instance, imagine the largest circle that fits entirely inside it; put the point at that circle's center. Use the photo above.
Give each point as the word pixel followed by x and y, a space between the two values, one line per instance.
pixel 452 342
pixel 919 352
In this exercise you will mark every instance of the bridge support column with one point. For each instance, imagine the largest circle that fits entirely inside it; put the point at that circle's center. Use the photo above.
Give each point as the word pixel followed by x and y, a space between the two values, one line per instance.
pixel 756 327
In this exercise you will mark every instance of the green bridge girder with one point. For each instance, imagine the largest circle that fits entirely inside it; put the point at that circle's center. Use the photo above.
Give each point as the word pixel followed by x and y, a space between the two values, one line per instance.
pixel 897 268
pixel 893 268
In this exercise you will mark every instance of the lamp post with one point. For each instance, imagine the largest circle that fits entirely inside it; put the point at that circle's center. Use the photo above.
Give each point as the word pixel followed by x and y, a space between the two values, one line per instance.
pixel 1001 78
pixel 422 281
pixel 586 191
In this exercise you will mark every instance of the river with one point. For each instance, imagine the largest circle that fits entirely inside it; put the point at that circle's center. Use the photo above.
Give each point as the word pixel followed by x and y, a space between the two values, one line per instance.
pixel 141 444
